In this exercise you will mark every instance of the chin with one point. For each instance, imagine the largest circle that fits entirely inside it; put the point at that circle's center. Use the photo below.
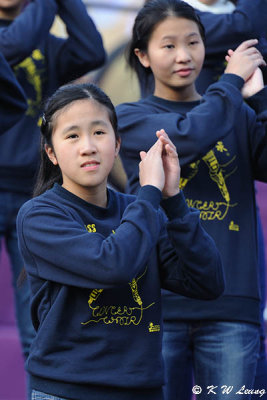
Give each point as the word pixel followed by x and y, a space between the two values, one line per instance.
pixel 11 4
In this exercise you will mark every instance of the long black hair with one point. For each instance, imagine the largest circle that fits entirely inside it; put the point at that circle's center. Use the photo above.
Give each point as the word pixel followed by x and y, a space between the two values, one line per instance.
pixel 48 172
pixel 152 13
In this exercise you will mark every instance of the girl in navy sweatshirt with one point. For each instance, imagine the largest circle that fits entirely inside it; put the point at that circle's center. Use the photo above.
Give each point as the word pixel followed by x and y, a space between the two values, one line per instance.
pixel 96 259
pixel 222 148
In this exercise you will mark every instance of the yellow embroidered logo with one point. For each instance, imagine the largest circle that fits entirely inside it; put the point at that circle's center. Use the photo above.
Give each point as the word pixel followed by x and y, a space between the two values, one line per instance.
pixel 121 314
pixel 233 227
pixel 218 173
pixel 220 147
pixel 153 328
pixel 33 68
pixel 90 228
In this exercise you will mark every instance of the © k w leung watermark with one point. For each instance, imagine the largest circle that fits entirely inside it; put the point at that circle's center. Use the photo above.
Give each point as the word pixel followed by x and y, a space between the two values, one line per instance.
pixel 224 389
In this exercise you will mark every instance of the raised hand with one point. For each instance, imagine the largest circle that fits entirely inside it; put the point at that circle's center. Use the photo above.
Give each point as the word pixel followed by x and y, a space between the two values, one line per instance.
pixel 244 60
pixel 151 170
pixel 171 165
pixel 253 84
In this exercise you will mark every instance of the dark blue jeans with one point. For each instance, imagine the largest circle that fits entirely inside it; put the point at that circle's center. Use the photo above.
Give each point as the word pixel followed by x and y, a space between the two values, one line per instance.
pixel 261 372
pixel 9 206
pixel 44 396
pixel 221 354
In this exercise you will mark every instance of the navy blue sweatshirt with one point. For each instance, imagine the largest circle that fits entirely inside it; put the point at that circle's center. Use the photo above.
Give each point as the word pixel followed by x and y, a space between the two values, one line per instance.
pixel 95 276
pixel 12 99
pixel 222 148
pixel 42 63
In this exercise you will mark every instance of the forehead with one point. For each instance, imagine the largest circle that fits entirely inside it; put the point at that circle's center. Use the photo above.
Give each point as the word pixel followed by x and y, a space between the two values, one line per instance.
pixel 79 111
pixel 176 27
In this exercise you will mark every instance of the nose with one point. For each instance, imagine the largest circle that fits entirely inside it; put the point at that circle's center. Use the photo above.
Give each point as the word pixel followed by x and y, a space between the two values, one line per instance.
pixel 183 55
pixel 87 145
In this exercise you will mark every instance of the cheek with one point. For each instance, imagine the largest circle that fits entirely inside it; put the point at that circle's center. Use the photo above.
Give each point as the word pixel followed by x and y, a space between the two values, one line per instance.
pixel 62 155
pixel 159 65
pixel 200 59
pixel 111 152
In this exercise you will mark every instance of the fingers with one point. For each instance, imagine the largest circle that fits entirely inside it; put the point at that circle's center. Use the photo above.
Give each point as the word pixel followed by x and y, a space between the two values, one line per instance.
pixel 246 44
pixel 156 148
pixel 248 48
pixel 142 155
pixel 151 170
pixel 169 147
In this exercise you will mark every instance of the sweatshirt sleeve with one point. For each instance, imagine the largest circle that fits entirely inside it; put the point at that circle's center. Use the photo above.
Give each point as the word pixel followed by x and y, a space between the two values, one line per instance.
pixel 12 99
pixel 226 31
pixel 193 133
pixel 57 247
pixel 83 50
pixel 189 259
pixel 22 36
pixel 257 128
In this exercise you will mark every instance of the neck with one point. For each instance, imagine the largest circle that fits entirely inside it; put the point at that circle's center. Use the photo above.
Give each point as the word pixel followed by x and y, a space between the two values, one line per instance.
pixel 185 94
pixel 10 13
pixel 96 196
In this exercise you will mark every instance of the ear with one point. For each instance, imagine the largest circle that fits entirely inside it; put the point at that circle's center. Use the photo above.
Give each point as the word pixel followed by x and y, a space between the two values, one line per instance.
pixel 50 154
pixel 118 146
pixel 143 57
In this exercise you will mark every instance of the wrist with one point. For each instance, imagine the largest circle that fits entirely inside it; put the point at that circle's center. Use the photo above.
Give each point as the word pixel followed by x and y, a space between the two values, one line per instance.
pixel 167 195
pixel 176 206
pixel 154 184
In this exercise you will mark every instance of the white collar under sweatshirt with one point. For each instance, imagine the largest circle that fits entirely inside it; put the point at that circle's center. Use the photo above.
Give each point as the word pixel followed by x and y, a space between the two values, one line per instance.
pixel 220 7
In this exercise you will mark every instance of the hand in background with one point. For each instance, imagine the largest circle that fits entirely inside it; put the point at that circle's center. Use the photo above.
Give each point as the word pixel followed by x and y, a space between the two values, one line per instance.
pixel 244 60
pixel 253 84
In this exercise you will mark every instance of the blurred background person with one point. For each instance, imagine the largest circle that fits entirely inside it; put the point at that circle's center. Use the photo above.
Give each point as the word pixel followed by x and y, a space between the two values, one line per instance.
pixel 42 63
pixel 12 99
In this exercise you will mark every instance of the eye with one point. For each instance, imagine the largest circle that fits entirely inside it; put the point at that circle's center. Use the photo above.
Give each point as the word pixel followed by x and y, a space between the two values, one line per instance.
pixel 98 133
pixel 169 46
pixel 193 42
pixel 72 136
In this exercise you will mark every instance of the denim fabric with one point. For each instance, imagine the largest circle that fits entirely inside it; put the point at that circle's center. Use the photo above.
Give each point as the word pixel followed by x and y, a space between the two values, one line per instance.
pixel 9 206
pixel 261 373
pixel 219 353
pixel 44 396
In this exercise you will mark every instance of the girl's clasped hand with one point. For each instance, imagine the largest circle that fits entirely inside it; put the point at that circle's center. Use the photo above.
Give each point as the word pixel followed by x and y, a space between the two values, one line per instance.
pixel 160 166
pixel 246 61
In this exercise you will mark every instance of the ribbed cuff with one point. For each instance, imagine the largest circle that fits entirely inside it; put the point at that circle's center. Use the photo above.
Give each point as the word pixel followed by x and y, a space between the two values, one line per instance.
pixel 150 193
pixel 175 207
pixel 234 79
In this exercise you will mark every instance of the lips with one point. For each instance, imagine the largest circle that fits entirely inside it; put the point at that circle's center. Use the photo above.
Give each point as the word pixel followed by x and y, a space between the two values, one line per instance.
pixel 90 164
pixel 184 72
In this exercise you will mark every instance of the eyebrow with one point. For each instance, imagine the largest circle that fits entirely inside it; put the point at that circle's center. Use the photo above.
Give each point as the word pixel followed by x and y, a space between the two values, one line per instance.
pixel 77 127
pixel 99 122
pixel 174 37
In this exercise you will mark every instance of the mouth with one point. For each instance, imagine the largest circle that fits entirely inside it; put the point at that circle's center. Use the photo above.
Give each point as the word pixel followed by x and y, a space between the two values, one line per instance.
pixel 184 72
pixel 90 165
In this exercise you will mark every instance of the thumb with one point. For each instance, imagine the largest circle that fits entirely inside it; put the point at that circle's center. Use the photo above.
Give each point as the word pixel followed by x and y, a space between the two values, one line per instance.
pixel 142 155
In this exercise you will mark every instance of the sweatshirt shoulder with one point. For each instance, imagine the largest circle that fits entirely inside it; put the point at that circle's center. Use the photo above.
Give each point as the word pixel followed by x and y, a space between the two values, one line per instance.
pixel 45 200
pixel 142 105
